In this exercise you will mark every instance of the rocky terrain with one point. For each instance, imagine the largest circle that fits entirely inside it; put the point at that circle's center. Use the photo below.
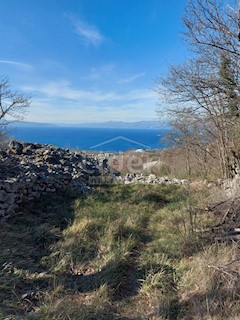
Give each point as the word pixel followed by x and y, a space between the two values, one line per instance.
pixel 89 244
pixel 132 178
pixel 28 171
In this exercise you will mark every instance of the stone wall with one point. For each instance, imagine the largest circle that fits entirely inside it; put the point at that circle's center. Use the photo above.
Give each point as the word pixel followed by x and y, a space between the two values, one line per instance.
pixel 135 178
pixel 28 171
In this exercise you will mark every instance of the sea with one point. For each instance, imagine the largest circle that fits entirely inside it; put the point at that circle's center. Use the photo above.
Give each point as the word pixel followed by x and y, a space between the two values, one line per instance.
pixel 95 139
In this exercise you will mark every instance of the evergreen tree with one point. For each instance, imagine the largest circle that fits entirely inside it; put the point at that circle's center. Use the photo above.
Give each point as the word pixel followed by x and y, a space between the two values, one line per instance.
pixel 229 85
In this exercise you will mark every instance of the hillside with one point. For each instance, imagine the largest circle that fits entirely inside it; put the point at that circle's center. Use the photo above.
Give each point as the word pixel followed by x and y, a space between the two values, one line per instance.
pixel 140 250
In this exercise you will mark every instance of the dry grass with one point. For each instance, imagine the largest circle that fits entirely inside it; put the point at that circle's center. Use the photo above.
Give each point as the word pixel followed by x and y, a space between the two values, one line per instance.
pixel 210 286
pixel 125 252
pixel 170 162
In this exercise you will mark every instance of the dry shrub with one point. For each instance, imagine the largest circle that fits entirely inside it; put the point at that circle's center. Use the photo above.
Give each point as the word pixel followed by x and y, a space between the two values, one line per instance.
pixel 210 287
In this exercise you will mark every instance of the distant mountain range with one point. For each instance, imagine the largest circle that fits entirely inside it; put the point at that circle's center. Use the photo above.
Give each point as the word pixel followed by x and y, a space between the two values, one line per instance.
pixel 109 124
pixel 29 124
pixel 126 125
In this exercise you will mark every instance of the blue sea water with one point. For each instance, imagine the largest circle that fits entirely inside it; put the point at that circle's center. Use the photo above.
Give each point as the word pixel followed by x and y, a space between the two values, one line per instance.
pixel 97 139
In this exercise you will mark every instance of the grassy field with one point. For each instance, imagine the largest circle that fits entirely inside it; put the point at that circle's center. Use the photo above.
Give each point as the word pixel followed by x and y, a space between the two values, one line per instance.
pixel 124 252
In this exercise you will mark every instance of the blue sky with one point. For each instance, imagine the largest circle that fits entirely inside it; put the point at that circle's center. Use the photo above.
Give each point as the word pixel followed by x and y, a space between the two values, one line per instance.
pixel 89 60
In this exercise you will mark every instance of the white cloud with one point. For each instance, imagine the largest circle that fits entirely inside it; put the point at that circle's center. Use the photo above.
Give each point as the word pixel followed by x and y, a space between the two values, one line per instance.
pixel 88 33
pixel 59 102
pixel 63 89
pixel 24 66
pixel 55 112
pixel 132 78
pixel 100 72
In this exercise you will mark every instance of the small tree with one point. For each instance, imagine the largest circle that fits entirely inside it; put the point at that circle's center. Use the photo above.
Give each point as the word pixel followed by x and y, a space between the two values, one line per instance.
pixel 13 104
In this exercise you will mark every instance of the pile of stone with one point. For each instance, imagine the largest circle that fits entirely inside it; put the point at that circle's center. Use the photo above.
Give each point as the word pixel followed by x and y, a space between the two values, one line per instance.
pixel 132 178
pixel 29 170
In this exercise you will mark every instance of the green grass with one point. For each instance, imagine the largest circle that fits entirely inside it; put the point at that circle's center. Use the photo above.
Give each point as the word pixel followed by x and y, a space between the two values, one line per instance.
pixel 124 252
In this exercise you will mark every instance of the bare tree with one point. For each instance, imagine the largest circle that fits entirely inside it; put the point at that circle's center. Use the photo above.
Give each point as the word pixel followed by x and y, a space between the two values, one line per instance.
pixel 13 104
pixel 197 90
pixel 212 24
pixel 207 87
pixel 191 135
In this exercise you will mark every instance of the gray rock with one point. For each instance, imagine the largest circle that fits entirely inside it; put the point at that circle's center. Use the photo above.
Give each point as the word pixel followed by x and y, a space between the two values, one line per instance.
pixel 15 147
pixel 28 171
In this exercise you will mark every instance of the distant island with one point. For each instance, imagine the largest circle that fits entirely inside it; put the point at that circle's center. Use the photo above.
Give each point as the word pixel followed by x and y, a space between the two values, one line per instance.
pixel 154 124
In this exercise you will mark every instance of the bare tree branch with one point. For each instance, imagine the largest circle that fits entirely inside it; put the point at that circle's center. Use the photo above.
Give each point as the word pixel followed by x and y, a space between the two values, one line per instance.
pixel 12 103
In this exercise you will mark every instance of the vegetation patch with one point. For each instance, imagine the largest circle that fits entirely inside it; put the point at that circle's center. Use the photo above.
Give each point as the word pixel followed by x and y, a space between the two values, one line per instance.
pixel 124 252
